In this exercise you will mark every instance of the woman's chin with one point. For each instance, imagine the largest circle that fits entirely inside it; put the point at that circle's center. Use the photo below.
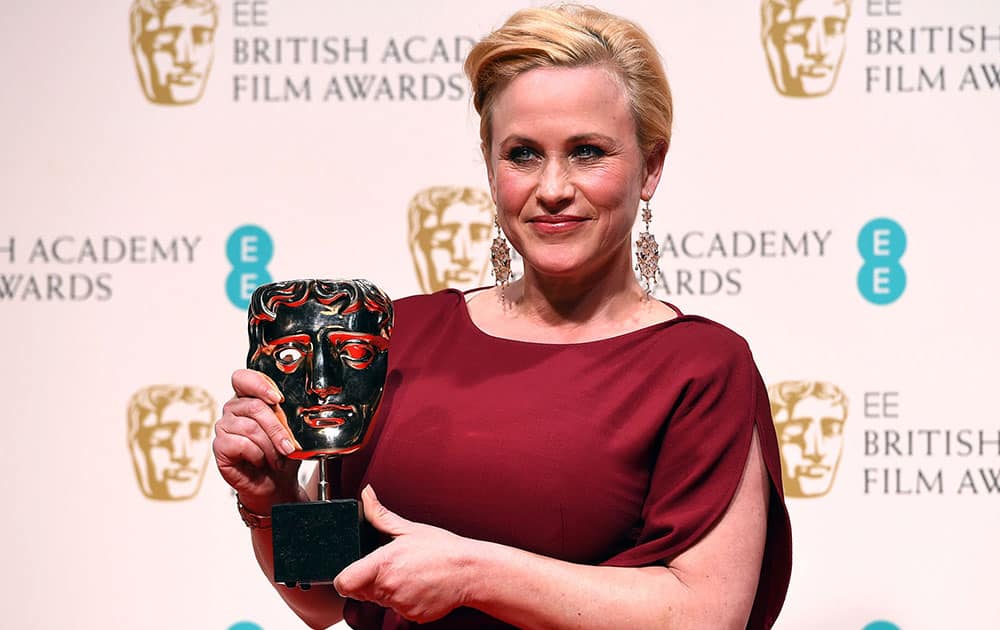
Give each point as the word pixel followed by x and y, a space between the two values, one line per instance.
pixel 559 269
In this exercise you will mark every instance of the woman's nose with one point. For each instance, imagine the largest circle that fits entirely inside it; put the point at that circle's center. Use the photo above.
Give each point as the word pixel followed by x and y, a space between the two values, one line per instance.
pixel 554 186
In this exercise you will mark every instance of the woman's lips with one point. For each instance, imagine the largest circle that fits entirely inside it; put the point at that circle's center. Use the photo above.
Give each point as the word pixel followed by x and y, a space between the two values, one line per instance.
pixel 557 224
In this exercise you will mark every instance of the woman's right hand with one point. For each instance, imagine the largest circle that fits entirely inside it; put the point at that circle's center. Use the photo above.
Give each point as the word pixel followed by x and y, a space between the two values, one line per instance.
pixel 251 444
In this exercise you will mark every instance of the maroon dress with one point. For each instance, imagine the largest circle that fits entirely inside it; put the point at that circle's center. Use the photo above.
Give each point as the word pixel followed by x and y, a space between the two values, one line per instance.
pixel 620 452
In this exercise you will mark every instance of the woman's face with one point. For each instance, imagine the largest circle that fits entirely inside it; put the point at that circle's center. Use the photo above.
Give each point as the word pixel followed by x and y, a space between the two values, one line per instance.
pixel 566 171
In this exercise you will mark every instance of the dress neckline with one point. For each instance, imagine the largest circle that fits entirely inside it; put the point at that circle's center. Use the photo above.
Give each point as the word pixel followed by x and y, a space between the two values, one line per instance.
pixel 467 319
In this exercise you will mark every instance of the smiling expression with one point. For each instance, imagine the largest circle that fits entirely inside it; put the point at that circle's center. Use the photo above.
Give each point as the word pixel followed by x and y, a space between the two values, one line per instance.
pixel 566 171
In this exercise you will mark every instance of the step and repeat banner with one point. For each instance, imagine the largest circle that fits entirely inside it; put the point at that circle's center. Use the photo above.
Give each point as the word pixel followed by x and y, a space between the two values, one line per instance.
pixel 830 193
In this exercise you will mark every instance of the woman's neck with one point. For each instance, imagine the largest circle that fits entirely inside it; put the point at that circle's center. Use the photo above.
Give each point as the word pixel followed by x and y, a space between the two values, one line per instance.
pixel 573 301
pixel 604 303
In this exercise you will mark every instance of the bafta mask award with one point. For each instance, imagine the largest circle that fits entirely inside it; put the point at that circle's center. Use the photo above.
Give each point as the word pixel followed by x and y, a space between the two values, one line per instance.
pixel 325 345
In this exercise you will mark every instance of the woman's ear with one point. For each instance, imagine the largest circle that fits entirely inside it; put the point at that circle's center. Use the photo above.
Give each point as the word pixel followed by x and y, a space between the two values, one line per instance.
pixel 489 171
pixel 653 168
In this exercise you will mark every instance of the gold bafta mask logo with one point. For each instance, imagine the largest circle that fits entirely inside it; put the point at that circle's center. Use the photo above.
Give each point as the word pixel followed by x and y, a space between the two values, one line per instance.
pixel 172 44
pixel 809 418
pixel 170 437
pixel 450 237
pixel 804 41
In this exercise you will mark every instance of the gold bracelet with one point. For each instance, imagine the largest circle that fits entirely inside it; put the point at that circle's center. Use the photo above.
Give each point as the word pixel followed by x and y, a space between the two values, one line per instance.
pixel 252 519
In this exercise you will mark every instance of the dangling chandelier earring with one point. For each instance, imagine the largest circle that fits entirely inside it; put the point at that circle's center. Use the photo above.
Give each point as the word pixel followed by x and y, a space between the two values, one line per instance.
pixel 500 260
pixel 647 253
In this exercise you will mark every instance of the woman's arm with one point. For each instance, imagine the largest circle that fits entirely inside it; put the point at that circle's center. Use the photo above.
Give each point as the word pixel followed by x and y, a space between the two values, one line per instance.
pixel 426 572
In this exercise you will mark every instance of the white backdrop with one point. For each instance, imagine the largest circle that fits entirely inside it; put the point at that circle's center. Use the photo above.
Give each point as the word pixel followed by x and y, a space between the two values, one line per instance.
pixel 90 158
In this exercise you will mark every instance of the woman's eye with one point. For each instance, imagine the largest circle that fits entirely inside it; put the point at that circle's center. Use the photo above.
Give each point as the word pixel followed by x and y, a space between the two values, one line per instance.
pixel 588 152
pixel 520 154
pixel 288 356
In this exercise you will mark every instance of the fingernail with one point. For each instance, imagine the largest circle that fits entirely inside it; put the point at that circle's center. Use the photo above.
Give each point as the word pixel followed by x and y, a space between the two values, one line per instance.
pixel 369 490
pixel 274 396
pixel 286 446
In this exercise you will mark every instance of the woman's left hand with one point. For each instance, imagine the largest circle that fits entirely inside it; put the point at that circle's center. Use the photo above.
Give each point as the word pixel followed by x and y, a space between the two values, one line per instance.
pixel 420 574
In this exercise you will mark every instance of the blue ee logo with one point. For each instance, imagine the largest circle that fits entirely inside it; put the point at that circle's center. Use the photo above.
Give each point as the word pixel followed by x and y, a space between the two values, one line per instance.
pixel 249 249
pixel 882 243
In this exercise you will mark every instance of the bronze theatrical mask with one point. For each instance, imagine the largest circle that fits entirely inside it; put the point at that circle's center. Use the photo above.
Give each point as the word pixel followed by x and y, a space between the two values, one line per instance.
pixel 324 343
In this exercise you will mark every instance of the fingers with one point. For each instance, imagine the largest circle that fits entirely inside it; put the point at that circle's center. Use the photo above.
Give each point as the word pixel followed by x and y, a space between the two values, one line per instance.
pixel 381 517
pixel 250 383
pixel 246 453
pixel 358 578
pixel 263 415
pixel 242 439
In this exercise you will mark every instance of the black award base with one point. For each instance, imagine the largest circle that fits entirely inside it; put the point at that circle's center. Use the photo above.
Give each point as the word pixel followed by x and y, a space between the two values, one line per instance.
pixel 313 542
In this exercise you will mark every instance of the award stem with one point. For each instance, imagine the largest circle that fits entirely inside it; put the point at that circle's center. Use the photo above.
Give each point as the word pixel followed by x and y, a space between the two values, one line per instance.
pixel 324 485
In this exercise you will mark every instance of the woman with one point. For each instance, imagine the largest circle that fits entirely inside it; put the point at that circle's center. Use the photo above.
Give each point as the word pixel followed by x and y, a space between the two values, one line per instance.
pixel 562 451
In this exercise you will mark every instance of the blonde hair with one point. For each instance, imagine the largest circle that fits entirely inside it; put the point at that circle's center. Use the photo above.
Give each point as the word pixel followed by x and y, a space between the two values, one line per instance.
pixel 570 36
